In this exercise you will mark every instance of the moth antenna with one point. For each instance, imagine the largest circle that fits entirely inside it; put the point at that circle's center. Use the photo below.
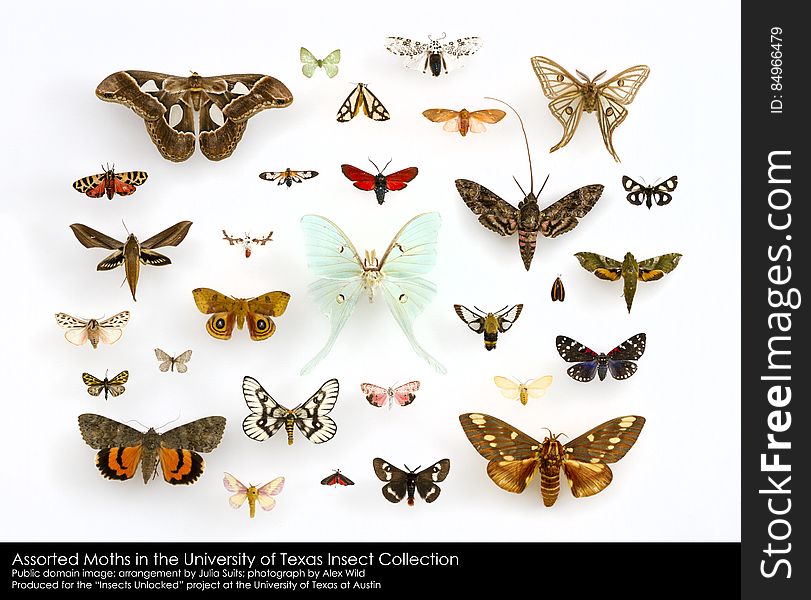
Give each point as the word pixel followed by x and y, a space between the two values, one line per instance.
pixel 560 434
pixel 598 76
pixel 551 435
pixel 125 226
pixel 387 164
pixel 139 423
pixel 410 470
pixel 519 186
pixel 170 422
pixel 526 141
pixel 479 309
pixel 502 308
pixel 584 77
pixel 544 185
pixel 375 166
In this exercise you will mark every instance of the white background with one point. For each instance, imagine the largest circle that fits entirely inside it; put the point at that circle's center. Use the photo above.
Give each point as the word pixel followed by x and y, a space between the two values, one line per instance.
pixel 680 481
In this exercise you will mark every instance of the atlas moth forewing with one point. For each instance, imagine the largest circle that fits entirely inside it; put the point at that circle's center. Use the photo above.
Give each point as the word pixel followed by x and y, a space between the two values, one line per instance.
pixel 528 220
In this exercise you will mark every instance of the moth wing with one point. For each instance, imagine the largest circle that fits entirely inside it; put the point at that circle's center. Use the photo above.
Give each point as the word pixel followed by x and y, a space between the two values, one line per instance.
pixel 621 369
pixel 267 415
pixel 506 320
pixel 586 478
pixel 372 106
pixel 171 236
pixel 405 47
pixel 489 115
pixel 312 416
pixel 232 484
pixel 406 394
pixel 565 93
pixel 602 266
pixel 396 488
pixel 90 238
pixel 399 179
pixel 624 86
pixel 91 182
pixel 631 349
pixel 637 193
pixel 474 322
pixel 412 252
pixel 121 188
pixel 115 390
pixel 610 113
pixel 181 360
pixel 265 493
pixel 661 191
pixel 336 299
pixel 260 309
pixel 406 299
pixel 608 442
pixel 655 268
pixel 238 499
pixel 562 216
pixel 460 47
pixel 133 178
pixel 374 394
pixel 440 115
pixel 538 387
pixel 202 435
pixel 89 379
pixel 451 125
pixel 427 479
pixel 496 214
pixel 362 180
pixel 111 329
pixel 571 350
pixel 512 453
pixel 509 389
pixel 166 360
pixel 351 106
pixel 100 432
pixel 309 60
pixel 330 63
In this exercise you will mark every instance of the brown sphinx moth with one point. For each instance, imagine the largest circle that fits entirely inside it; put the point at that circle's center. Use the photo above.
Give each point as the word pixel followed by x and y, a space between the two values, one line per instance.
pixel 225 103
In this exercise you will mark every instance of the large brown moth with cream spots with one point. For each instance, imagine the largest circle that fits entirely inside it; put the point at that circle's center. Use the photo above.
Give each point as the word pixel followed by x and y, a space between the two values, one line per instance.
pixel 630 270
pixel 570 97
pixel 225 103
pixel 528 220
pixel 514 455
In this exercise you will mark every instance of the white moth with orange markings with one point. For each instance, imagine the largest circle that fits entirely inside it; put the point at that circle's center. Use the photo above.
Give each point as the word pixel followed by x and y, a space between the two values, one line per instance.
pixel 464 120
pixel 252 493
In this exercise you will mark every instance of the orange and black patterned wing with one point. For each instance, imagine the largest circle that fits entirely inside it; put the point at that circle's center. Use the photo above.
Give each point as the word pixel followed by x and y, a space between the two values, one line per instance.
pixel 119 445
pixel 513 455
pixel 587 457
pixel 180 462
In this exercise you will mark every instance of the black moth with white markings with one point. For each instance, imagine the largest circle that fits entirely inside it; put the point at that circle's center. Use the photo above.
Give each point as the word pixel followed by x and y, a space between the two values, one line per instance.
pixel 659 193
pixel 618 362
pixel 405 483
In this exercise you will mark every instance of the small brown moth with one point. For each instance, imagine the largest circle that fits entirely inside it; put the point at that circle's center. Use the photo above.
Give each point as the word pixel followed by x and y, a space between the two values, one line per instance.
pixel 225 103
pixel 558 292
pixel 514 456
pixel 121 448
pixel 132 252
pixel 106 331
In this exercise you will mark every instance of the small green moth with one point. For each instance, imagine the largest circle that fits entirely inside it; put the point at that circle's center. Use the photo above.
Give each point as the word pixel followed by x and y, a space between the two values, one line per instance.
pixel 311 63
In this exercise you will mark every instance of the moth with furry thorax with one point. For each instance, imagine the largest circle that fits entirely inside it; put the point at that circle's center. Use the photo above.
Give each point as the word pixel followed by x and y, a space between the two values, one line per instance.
pixel 224 102
pixel 121 448
pixel 528 220
pixel 514 456
pixel 490 324
pixel 227 311
pixel 629 269
pixel 571 97
pixel 132 252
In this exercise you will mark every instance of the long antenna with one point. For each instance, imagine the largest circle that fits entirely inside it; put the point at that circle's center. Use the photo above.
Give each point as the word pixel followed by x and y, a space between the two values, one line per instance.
pixel 526 141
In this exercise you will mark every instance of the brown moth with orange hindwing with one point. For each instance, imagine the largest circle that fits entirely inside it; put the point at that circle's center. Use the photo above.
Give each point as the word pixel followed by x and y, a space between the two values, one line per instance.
pixel 228 311
pixel 132 252
pixel 121 448
pixel 514 455
pixel 464 120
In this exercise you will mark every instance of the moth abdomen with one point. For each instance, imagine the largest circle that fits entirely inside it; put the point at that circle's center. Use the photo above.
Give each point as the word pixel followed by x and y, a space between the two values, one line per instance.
pixel 527 240
pixel 288 426
pixel 490 339
pixel 550 487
